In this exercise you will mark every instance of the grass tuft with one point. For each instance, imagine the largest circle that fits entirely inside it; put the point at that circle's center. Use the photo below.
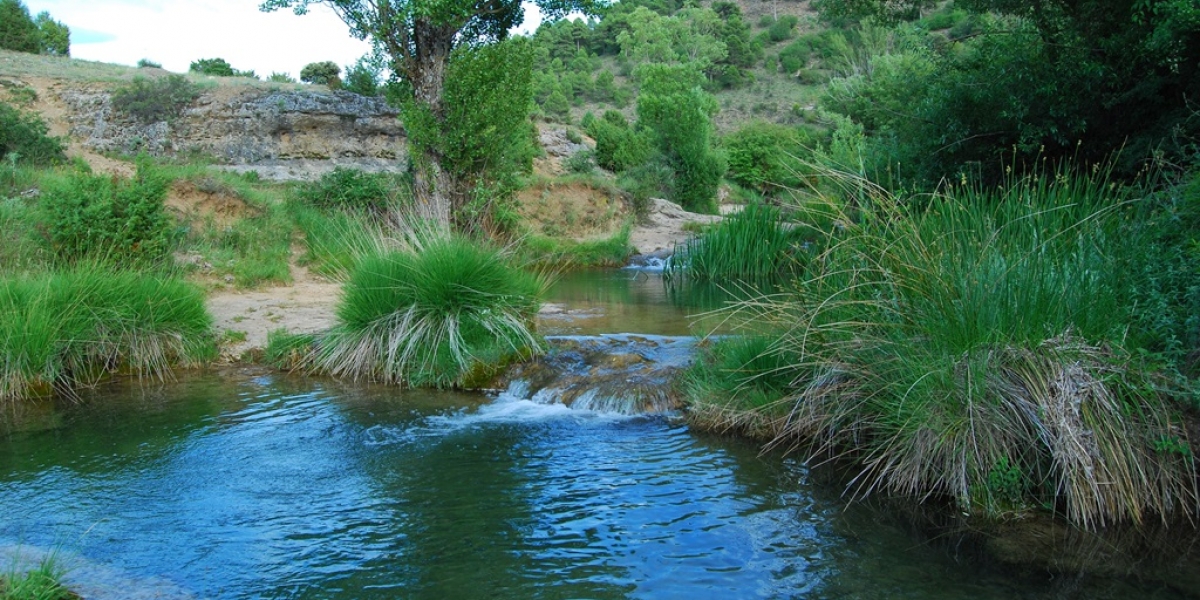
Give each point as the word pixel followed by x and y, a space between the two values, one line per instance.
pixel 427 314
pixel 68 329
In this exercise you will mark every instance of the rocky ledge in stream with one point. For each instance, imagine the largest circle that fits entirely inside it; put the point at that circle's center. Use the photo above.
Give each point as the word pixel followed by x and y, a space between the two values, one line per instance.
pixel 615 373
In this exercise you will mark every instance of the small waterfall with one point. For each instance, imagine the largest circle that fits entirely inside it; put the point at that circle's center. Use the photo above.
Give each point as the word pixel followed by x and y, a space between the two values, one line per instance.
pixel 654 263
pixel 616 373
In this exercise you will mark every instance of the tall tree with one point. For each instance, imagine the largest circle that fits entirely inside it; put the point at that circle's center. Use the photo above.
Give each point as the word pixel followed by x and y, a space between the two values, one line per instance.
pixel 17 30
pixel 419 36
pixel 54 37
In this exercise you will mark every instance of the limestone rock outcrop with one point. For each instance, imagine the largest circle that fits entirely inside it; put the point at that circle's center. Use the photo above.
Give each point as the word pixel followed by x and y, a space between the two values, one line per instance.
pixel 247 125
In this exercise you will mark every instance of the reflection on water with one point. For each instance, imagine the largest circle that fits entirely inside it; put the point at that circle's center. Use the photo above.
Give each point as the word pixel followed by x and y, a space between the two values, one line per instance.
pixel 250 486
pixel 630 301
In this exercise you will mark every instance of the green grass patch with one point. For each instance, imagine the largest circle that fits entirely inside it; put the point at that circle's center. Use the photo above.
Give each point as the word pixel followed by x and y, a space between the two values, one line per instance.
pixel 560 253
pixel 43 582
pixel 430 314
pixel 254 250
pixel 983 349
pixel 68 329
pixel 289 351
pixel 334 240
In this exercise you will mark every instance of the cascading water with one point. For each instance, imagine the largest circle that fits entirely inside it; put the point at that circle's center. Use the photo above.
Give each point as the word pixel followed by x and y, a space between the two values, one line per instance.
pixel 617 373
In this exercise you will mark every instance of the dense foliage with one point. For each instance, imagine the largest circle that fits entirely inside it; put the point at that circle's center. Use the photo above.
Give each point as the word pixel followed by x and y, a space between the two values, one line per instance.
pixel 351 189
pixel 322 73
pixel 1013 87
pixel 155 99
pixel 108 219
pixel 24 137
pixel 986 348
pixel 422 38
pixel 67 329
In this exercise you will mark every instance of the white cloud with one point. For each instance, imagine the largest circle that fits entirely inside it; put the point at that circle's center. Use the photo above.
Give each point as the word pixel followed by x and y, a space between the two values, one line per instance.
pixel 176 32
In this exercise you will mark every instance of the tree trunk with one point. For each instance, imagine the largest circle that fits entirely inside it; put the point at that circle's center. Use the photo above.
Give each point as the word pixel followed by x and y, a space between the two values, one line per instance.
pixel 435 191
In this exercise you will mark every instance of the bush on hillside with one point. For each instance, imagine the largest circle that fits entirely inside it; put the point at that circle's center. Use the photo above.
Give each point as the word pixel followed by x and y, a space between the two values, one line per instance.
pixel 24 138
pixel 107 219
pixel 151 100
pixel 218 67
pixel 322 73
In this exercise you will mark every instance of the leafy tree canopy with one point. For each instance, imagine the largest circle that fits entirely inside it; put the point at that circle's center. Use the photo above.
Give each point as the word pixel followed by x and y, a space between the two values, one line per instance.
pixel 212 66
pixel 419 37
pixel 17 30
pixel 54 37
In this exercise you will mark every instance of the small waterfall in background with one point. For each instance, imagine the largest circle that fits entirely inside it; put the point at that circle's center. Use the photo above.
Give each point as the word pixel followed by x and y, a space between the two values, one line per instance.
pixel 628 374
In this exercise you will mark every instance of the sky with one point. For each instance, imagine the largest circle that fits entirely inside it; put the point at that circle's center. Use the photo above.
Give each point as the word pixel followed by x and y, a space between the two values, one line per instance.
pixel 174 33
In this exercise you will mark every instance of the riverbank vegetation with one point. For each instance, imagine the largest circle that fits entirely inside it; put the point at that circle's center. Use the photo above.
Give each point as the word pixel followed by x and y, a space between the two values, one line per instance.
pixel 991 347
pixel 69 328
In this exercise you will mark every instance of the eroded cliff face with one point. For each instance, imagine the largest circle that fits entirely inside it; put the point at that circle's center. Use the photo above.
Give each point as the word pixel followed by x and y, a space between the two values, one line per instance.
pixel 246 126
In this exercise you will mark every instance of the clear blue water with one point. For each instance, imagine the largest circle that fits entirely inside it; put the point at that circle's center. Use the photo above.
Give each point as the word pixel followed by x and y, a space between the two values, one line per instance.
pixel 263 486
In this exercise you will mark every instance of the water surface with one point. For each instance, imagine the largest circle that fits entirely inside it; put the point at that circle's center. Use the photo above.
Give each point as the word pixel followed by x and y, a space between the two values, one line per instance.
pixel 265 486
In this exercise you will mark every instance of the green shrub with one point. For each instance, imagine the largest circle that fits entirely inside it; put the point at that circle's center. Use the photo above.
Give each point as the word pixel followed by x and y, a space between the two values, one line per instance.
pixel 322 73
pixel 217 67
pixel 582 162
pixel 277 77
pixel 67 329
pixel 783 28
pixel 352 189
pixel 106 218
pixel 364 77
pixel 54 38
pixel 155 99
pixel 618 146
pixel 146 63
pixel 768 158
pixel 652 179
pixel 796 55
pixel 679 115
pixel 24 138
pixel 431 314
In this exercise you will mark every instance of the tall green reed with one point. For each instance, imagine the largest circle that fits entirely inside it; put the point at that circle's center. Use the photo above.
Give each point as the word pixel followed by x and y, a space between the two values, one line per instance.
pixel 751 246
pixel 982 338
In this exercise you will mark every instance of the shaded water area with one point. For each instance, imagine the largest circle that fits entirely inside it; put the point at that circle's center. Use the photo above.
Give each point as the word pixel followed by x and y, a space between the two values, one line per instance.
pixel 249 484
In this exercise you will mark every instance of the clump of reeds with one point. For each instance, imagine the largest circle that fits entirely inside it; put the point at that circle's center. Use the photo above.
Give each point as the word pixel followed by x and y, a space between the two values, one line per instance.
pixel 979 350
pixel 431 312
pixel 67 329
pixel 753 245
